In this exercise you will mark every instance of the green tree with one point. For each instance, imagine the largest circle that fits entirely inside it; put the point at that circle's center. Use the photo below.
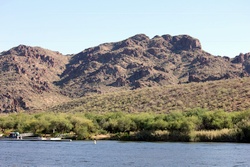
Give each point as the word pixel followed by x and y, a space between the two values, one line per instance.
pixel 243 131
pixel 143 121
pixel 59 124
pixel 217 120
pixel 158 124
pixel 125 124
pixel 82 127
pixel 37 126
pixel 7 122
pixel 110 125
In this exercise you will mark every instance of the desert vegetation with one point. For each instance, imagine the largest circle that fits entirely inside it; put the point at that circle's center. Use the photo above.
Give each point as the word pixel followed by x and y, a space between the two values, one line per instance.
pixel 209 111
pixel 194 125
pixel 228 95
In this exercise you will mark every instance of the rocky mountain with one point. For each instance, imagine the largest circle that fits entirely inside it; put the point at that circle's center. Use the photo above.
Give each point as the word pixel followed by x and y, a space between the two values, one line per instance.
pixel 140 61
pixel 34 78
pixel 26 77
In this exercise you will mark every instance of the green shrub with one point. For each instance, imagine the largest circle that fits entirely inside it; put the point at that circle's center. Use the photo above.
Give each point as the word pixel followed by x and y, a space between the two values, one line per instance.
pixel 216 120
pixel 243 131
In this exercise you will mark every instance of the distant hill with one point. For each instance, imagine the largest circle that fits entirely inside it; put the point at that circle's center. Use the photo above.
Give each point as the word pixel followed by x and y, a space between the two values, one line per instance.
pixel 33 78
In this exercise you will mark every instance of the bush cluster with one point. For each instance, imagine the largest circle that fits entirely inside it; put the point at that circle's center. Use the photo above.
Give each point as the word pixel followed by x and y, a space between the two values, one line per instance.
pixel 193 125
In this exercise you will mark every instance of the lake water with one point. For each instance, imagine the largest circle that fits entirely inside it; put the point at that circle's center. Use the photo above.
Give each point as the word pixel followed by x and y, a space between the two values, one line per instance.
pixel 121 154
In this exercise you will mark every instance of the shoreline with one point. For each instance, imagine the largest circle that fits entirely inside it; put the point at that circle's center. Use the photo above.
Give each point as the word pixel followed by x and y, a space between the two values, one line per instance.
pixel 221 136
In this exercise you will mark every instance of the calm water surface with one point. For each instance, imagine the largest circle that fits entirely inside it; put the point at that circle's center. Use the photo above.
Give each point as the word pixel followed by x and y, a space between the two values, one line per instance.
pixel 121 154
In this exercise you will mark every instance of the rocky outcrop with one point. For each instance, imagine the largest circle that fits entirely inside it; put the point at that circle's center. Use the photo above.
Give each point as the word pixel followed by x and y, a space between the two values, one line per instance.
pixel 11 103
pixel 241 58
pixel 185 42
pixel 120 82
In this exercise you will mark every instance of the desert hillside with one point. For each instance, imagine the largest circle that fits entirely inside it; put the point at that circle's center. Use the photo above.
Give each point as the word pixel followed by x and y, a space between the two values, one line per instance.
pixel 227 95
pixel 34 78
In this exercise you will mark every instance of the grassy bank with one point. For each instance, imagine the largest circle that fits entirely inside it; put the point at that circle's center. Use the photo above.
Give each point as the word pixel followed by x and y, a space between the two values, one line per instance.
pixel 223 135
pixel 194 125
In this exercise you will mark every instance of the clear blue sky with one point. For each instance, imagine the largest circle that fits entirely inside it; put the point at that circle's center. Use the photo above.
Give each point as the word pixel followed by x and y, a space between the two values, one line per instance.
pixel 222 26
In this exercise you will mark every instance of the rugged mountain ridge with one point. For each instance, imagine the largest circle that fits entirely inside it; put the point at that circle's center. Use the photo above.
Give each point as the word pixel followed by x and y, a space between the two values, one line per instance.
pixel 35 78
pixel 140 61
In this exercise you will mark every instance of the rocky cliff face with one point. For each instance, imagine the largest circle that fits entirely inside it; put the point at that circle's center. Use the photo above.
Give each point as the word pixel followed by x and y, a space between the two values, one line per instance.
pixel 34 78
pixel 27 75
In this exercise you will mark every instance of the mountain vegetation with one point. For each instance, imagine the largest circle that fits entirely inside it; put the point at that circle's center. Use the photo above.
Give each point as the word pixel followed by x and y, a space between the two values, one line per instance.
pixel 228 95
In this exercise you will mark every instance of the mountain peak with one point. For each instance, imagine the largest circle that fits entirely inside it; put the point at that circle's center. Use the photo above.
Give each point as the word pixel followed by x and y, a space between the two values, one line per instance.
pixel 139 37
pixel 185 42
pixel 29 51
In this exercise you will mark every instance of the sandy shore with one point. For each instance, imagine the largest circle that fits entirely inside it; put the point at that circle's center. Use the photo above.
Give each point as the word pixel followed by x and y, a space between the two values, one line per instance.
pixel 101 137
